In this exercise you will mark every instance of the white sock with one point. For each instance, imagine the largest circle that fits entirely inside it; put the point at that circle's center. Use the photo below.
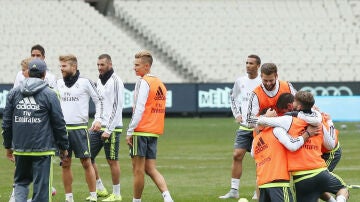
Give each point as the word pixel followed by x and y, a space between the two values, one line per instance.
pixel 136 200
pixel 99 185
pixel 340 198
pixel 116 189
pixel 68 195
pixel 166 195
pixel 93 194
pixel 235 183
pixel 331 199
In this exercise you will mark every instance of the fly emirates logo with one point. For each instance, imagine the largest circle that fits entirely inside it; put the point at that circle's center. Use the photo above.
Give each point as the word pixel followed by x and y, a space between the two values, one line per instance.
pixel 27 105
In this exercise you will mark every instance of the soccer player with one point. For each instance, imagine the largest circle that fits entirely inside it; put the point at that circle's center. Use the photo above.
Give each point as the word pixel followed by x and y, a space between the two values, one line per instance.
pixel 309 170
pixel 243 86
pixel 25 67
pixel 111 89
pixel 37 51
pixel 75 93
pixel 266 95
pixel 33 129
pixel 146 125
pixel 331 157
pixel 269 150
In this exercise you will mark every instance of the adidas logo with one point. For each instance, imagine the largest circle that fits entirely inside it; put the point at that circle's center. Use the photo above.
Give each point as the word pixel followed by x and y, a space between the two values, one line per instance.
pixel 28 103
pixel 260 146
pixel 159 94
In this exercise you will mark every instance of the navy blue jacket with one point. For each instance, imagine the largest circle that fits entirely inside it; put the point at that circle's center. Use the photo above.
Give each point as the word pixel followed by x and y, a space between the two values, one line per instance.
pixel 32 119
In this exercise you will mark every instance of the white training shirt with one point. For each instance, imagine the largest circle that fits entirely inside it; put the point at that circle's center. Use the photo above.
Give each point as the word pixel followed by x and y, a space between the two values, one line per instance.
pixel 49 78
pixel 75 101
pixel 141 94
pixel 240 94
pixel 112 93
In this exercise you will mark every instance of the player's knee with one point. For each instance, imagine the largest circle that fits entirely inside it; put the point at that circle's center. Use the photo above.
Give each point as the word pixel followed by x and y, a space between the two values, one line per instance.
pixel 86 163
pixel 65 165
pixel 150 171
pixel 238 155
pixel 139 172
pixel 344 192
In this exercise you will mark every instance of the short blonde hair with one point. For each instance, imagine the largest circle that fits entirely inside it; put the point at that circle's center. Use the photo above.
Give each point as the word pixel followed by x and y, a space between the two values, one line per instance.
pixel 145 57
pixel 25 62
pixel 68 58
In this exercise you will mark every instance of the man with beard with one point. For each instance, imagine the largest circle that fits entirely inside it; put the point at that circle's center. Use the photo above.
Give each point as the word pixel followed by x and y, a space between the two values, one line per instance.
pixel 266 94
pixel 264 97
pixel 75 93
pixel 111 88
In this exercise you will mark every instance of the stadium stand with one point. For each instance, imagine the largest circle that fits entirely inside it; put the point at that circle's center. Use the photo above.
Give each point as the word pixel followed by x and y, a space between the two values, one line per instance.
pixel 193 40
pixel 310 40
pixel 65 27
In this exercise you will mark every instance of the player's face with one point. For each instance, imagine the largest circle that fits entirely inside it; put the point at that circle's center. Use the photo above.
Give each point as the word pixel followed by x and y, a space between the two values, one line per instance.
pixel 37 54
pixel 140 68
pixel 251 66
pixel 67 69
pixel 25 71
pixel 290 107
pixel 269 81
pixel 103 66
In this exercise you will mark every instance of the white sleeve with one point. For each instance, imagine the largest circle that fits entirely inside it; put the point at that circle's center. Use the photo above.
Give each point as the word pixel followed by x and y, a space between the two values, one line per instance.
pixel 118 91
pixel 253 107
pixel 291 143
pixel 139 108
pixel 329 136
pixel 313 119
pixel 98 101
pixel 292 89
pixel 50 78
pixel 280 121
pixel 18 79
pixel 252 148
pixel 235 103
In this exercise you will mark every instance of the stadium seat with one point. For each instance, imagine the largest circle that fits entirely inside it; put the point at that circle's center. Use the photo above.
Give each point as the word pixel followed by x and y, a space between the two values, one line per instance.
pixel 198 29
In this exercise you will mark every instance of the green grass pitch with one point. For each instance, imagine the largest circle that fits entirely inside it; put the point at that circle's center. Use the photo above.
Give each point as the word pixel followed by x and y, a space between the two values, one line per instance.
pixel 195 156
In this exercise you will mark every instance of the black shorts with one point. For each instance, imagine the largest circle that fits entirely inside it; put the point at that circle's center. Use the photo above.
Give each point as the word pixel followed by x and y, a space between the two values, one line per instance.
pixel 332 157
pixel 78 141
pixel 243 139
pixel 143 146
pixel 275 194
pixel 309 187
pixel 111 145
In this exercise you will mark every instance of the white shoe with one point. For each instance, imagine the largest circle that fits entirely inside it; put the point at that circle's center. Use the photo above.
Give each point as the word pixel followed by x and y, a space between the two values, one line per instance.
pixel 255 197
pixel 231 194
pixel 69 200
